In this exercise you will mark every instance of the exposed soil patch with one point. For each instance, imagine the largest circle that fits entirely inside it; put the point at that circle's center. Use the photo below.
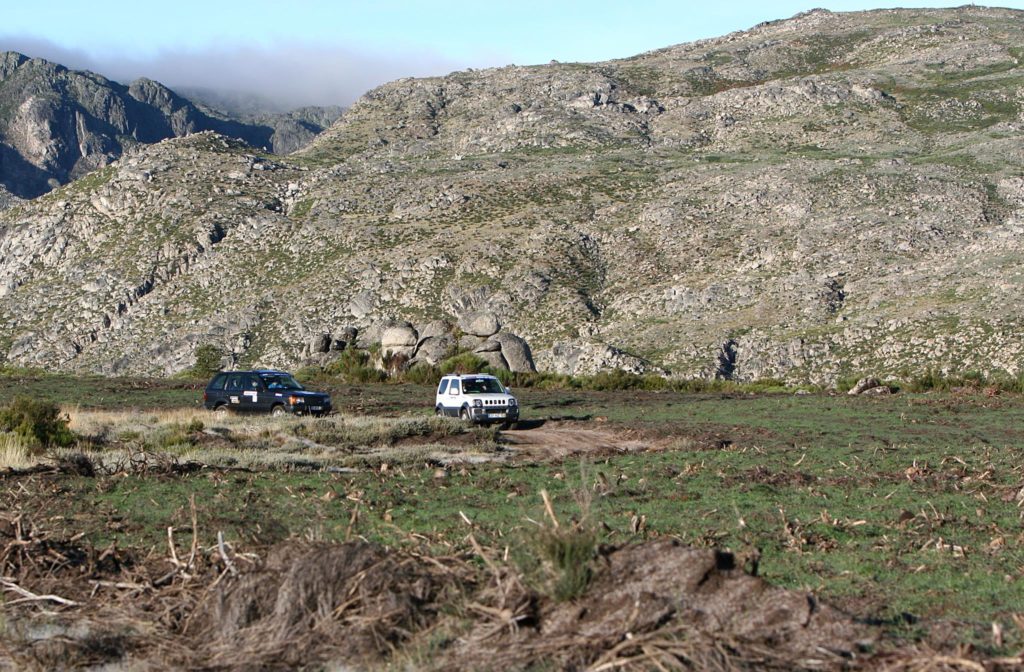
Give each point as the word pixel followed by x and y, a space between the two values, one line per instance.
pixel 461 440
pixel 558 440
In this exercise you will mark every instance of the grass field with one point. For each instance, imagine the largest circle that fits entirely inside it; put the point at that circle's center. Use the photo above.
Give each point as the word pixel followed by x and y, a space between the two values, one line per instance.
pixel 902 510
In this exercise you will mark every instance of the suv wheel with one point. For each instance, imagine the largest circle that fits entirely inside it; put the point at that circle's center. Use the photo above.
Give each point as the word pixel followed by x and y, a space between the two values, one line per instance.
pixel 439 412
pixel 278 411
pixel 222 411
pixel 464 414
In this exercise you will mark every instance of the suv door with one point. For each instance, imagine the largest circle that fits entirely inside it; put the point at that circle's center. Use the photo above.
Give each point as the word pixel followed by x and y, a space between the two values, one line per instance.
pixel 254 396
pixel 213 395
pixel 233 391
pixel 454 401
pixel 439 399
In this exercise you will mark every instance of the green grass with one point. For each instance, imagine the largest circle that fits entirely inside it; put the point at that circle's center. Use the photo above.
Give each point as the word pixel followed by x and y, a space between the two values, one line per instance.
pixel 876 530
pixel 101 392
pixel 983 98
pixel 883 506
pixel 880 505
pixel 302 208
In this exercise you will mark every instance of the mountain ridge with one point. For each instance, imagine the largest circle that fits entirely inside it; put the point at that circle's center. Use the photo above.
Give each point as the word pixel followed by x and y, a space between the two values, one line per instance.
pixel 57 124
pixel 827 195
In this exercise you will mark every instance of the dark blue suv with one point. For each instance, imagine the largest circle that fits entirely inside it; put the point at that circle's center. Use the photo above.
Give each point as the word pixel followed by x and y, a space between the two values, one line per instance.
pixel 263 391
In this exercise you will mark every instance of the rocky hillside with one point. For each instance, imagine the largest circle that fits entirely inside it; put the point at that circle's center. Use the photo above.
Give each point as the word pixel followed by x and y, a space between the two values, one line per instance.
pixel 827 195
pixel 56 124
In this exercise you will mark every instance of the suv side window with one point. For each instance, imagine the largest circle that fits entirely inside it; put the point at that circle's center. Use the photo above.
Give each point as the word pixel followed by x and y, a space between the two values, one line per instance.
pixel 235 382
pixel 252 382
pixel 455 387
pixel 443 386
pixel 218 381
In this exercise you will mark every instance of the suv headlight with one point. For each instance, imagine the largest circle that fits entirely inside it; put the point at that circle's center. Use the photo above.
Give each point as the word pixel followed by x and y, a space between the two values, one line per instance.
pixel 512 401
pixel 295 400
pixel 478 402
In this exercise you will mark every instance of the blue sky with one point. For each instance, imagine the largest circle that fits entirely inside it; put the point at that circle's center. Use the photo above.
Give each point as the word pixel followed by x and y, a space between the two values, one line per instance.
pixel 324 51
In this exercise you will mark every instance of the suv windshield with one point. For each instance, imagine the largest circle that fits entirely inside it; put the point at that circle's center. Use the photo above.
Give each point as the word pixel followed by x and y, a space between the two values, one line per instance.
pixel 280 381
pixel 481 386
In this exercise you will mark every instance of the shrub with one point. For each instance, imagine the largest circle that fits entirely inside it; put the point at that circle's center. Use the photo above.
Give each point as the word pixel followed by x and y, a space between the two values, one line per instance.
pixel 559 559
pixel 932 380
pixel 504 375
pixel 466 362
pixel 622 380
pixel 1006 383
pixel 764 385
pixel 847 383
pixel 307 374
pixel 549 381
pixel 422 374
pixel 208 358
pixel 38 422
pixel 353 366
pixel 394 362
pixel 569 552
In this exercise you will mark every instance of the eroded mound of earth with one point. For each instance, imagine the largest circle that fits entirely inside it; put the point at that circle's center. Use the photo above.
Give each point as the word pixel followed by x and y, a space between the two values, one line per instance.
pixel 663 603
pixel 653 605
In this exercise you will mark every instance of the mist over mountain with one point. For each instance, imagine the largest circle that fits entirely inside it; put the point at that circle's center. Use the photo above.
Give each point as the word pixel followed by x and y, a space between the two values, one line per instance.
pixel 282 76
pixel 57 124
pixel 824 196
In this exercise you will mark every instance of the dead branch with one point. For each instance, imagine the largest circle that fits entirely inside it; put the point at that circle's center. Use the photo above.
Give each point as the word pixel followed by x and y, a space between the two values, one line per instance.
pixel 29 596
pixel 548 508
pixel 195 531
pixel 224 554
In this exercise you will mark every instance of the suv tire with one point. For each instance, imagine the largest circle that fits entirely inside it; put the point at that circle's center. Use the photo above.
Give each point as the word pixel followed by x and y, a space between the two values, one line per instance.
pixel 278 411
pixel 464 414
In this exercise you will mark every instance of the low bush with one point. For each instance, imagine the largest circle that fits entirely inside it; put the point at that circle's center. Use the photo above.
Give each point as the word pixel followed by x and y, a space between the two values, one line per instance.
pixel 208 360
pixel 353 366
pixel 766 385
pixel 933 380
pixel 559 558
pixel 422 374
pixel 569 553
pixel 623 380
pixel 39 423
pixel 847 383
pixel 465 362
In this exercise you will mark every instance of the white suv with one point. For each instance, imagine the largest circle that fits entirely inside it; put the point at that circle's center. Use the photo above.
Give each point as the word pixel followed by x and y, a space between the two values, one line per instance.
pixel 477 398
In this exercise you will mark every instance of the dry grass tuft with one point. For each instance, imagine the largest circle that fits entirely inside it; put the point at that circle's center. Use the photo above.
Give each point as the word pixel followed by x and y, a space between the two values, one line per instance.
pixel 111 438
pixel 15 453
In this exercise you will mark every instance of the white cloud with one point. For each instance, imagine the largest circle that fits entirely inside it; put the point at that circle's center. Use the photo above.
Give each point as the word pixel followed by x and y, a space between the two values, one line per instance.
pixel 291 75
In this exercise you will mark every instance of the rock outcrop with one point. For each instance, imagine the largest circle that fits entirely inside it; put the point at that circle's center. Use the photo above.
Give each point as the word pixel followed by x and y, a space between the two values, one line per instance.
pixel 437 340
pixel 399 339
